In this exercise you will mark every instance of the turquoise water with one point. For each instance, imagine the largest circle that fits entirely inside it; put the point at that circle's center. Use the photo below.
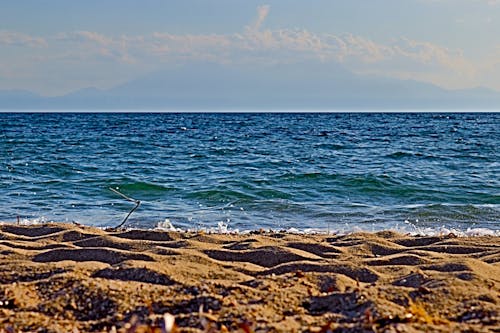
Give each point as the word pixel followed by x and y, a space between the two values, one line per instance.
pixel 339 171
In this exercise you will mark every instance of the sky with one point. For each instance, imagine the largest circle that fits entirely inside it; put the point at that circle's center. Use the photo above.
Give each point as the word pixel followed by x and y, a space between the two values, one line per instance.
pixel 53 47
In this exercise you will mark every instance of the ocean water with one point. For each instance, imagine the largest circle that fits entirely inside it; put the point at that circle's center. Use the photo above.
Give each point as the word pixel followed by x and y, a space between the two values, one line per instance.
pixel 243 171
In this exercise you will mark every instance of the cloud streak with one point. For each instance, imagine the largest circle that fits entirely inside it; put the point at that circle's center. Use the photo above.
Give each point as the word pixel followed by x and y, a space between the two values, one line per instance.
pixel 262 12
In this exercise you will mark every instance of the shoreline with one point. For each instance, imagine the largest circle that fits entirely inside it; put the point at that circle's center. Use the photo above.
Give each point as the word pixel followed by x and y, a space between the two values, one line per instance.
pixel 66 277
pixel 225 228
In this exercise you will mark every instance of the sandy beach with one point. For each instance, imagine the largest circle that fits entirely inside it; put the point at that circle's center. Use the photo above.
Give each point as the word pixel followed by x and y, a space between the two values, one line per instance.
pixel 72 278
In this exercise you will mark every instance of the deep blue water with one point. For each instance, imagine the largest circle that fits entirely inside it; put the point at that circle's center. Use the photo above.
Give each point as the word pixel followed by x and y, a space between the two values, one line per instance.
pixel 251 171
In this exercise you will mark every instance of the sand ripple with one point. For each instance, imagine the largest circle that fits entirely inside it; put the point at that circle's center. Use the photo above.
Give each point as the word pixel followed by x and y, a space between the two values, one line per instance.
pixel 62 278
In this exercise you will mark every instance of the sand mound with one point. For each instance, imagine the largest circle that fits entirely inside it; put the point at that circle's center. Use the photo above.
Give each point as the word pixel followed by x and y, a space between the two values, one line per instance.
pixel 63 278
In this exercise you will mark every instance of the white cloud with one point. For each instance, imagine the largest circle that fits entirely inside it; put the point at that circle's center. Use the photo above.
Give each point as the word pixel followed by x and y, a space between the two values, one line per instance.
pixel 13 38
pixel 402 57
pixel 85 36
pixel 432 54
pixel 92 44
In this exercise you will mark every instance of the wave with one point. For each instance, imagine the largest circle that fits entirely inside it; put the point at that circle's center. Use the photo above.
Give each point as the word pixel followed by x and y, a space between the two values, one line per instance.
pixel 220 195
pixel 307 176
pixel 278 215
pixel 226 228
pixel 142 190
pixel 400 155
pixel 332 146
pixel 352 184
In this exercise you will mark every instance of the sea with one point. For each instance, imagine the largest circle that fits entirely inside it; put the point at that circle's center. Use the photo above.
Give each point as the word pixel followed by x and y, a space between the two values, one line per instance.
pixel 420 173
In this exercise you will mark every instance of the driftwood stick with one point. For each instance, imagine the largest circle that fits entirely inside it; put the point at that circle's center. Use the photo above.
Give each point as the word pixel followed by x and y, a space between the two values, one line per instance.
pixel 137 204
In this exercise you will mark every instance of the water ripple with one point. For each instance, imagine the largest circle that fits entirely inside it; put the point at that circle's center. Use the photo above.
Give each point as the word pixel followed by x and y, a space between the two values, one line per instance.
pixel 253 170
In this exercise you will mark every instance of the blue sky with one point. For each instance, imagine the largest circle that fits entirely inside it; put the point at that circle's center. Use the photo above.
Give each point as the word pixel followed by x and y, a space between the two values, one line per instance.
pixel 54 47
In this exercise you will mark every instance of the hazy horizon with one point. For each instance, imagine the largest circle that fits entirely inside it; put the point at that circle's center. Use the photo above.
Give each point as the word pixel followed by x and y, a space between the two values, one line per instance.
pixel 60 47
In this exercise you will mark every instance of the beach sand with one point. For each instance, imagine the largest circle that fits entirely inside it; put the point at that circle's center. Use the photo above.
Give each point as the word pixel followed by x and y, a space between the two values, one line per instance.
pixel 71 278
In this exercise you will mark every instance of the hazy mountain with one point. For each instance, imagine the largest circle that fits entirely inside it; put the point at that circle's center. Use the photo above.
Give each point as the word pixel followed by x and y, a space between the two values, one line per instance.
pixel 205 86
pixel 18 99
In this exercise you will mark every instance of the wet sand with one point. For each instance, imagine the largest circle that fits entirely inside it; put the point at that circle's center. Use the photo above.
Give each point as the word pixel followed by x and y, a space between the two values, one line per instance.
pixel 69 278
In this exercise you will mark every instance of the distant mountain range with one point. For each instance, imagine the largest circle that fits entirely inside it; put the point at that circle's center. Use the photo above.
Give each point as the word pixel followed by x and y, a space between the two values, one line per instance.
pixel 279 87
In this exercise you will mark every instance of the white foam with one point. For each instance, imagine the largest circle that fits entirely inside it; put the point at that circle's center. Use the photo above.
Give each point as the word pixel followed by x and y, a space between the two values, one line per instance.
pixel 33 221
pixel 166 225
pixel 481 232
pixel 408 228
pixel 341 229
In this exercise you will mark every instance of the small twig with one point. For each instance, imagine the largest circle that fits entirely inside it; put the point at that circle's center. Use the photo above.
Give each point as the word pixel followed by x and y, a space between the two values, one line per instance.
pixel 123 195
pixel 137 204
